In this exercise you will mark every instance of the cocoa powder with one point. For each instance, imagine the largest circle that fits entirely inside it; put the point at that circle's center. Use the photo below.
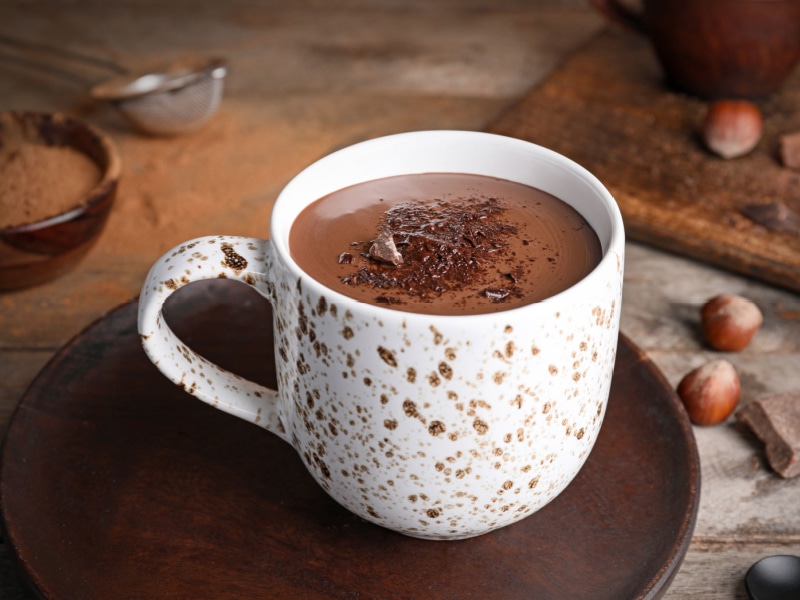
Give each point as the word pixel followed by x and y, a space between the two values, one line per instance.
pixel 218 179
pixel 38 181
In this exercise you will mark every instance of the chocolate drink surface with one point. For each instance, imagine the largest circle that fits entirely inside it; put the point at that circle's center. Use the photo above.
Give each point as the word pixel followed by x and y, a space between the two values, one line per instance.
pixel 444 243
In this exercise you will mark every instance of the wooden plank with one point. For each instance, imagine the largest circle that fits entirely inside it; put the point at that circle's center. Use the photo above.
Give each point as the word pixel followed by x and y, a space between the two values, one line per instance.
pixel 718 571
pixel 741 497
pixel 608 109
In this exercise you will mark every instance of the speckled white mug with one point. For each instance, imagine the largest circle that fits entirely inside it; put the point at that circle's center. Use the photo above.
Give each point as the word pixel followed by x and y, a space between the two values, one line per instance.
pixel 439 427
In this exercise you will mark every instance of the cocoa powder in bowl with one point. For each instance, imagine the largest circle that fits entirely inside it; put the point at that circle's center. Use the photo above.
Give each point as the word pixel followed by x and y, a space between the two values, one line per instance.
pixel 58 182
pixel 39 181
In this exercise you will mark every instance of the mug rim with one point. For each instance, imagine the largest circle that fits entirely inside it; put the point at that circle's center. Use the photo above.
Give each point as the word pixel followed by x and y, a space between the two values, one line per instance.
pixel 287 207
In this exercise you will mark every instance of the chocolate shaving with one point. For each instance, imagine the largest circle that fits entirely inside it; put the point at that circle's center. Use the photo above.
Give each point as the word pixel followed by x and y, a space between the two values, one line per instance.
pixel 442 245
pixel 496 294
pixel 775 216
pixel 515 275
pixel 776 422
pixel 345 258
pixel 384 249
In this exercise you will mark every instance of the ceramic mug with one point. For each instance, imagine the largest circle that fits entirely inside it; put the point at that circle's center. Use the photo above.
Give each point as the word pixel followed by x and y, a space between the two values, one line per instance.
pixel 438 427
pixel 717 48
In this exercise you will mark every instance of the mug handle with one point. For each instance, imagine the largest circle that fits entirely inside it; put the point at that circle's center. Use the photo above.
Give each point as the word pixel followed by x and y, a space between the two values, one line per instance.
pixel 248 260
pixel 621 14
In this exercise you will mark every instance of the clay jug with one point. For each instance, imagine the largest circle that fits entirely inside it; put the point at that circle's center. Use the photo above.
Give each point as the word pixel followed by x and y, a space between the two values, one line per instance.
pixel 717 48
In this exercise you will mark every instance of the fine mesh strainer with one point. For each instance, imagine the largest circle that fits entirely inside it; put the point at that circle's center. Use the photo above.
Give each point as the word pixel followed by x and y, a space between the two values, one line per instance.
pixel 178 98
pixel 175 98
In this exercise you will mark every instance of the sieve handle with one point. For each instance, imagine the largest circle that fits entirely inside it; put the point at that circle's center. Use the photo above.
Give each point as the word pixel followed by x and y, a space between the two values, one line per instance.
pixel 248 260
pixel 62 54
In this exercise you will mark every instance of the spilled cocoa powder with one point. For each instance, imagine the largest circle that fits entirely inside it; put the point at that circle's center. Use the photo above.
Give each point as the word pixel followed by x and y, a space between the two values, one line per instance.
pixel 39 181
pixel 221 178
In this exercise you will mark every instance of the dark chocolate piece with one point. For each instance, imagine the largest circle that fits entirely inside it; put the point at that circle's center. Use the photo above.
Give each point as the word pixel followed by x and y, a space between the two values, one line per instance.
pixel 776 422
pixel 790 150
pixel 384 249
pixel 775 216
pixel 496 294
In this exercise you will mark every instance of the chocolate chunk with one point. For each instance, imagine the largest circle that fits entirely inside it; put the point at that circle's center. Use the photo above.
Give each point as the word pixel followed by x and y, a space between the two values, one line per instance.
pixel 775 216
pixel 496 294
pixel 515 274
pixel 345 258
pixel 384 249
pixel 776 422
pixel 790 150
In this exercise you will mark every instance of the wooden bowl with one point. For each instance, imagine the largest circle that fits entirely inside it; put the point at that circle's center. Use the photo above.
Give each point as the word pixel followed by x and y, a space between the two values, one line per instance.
pixel 38 251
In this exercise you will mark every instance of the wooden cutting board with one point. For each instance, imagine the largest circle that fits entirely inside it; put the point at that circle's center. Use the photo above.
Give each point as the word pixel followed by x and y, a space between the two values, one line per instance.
pixel 609 109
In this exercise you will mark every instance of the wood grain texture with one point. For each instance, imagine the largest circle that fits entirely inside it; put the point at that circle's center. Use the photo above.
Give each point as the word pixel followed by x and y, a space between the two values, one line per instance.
pixel 717 572
pixel 608 109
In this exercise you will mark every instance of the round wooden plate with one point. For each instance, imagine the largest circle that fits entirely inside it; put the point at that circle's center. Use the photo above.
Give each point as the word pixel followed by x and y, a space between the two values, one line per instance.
pixel 114 483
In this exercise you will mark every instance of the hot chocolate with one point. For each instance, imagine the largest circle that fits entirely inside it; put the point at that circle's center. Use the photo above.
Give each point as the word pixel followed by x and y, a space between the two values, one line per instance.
pixel 444 243
pixel 362 384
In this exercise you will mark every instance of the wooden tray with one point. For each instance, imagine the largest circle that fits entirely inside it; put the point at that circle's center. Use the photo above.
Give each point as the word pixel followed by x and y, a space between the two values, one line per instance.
pixel 116 484
pixel 608 109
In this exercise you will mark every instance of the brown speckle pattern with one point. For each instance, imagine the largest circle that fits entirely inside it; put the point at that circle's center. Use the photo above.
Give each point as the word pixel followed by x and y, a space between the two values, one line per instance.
pixel 387 356
pixel 436 427
pixel 232 259
pixel 445 370
pixel 480 426
pixel 440 428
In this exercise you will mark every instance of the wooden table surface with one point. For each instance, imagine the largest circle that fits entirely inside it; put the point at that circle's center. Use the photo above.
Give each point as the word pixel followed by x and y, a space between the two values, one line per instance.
pixel 309 77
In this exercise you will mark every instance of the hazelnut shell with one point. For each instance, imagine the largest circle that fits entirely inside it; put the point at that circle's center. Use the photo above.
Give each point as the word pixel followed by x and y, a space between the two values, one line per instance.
pixel 732 128
pixel 711 392
pixel 729 322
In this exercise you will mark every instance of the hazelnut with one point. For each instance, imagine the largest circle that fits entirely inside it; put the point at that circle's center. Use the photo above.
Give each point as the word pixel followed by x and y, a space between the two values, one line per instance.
pixel 732 127
pixel 729 322
pixel 710 393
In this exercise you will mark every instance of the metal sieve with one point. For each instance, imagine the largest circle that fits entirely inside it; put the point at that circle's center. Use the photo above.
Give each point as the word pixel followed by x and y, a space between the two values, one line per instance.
pixel 174 98
pixel 178 98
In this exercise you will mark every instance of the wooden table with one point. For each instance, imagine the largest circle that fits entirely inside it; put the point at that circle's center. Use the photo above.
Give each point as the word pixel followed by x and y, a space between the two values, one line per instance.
pixel 307 80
